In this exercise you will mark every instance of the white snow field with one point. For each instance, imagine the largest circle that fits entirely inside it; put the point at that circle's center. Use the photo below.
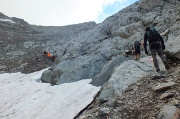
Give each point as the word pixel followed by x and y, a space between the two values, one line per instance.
pixel 22 97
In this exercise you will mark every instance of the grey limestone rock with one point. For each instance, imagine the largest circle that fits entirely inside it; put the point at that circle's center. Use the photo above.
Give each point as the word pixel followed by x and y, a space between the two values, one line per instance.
pixel 84 67
pixel 169 112
pixel 107 70
pixel 124 75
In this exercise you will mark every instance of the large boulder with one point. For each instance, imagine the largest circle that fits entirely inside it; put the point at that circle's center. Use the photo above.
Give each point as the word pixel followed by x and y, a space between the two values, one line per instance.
pixel 50 76
pixel 173 46
pixel 147 5
pixel 124 75
pixel 169 112
pixel 128 30
pixel 84 67
pixel 107 71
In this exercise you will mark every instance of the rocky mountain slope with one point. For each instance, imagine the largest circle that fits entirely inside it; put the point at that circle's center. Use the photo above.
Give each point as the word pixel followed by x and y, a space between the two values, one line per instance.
pixel 149 98
pixel 22 44
pixel 113 36
pixel 90 50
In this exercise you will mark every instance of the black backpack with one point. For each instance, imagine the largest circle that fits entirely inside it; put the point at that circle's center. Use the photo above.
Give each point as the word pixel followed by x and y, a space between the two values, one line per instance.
pixel 153 36
pixel 136 44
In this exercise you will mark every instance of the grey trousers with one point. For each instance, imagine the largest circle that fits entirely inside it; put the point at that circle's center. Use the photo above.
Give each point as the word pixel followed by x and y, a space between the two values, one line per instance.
pixel 161 55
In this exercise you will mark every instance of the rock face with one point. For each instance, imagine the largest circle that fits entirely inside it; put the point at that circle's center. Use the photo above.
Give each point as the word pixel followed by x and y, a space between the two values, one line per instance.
pixel 127 73
pixel 120 30
pixel 79 68
pixel 107 71
pixel 24 43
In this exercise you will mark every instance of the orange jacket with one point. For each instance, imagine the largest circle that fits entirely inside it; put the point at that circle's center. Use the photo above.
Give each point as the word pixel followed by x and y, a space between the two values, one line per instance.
pixel 48 54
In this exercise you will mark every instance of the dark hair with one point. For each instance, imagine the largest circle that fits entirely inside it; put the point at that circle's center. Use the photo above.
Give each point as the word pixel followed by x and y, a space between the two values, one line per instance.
pixel 45 52
pixel 147 28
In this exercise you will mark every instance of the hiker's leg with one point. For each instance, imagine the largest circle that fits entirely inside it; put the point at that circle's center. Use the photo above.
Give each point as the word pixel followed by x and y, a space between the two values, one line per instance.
pixel 52 58
pixel 163 58
pixel 139 53
pixel 153 53
pixel 138 56
pixel 135 56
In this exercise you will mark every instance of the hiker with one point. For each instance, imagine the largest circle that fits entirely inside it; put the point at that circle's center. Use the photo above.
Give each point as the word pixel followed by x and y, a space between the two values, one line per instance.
pixel 44 53
pixel 156 45
pixel 132 50
pixel 49 56
pixel 52 58
pixel 137 49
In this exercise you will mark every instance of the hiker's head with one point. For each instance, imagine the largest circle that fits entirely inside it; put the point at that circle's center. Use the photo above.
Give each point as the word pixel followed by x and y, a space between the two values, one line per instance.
pixel 147 29
pixel 45 52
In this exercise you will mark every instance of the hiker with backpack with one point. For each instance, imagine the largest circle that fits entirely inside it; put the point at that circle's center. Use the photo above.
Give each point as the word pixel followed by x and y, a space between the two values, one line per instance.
pixel 156 45
pixel 49 56
pixel 137 48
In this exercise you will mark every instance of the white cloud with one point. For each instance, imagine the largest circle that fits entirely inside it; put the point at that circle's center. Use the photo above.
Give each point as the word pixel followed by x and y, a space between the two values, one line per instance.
pixel 122 4
pixel 55 12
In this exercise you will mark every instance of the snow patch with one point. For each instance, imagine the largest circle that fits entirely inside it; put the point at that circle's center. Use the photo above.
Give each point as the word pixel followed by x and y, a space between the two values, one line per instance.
pixel 7 20
pixel 23 97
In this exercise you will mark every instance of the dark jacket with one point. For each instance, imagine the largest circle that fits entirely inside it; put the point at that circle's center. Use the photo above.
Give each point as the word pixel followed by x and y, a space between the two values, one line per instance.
pixel 137 47
pixel 153 45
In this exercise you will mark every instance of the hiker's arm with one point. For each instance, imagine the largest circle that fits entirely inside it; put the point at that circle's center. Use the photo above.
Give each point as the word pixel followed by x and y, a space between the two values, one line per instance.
pixel 145 43
pixel 162 42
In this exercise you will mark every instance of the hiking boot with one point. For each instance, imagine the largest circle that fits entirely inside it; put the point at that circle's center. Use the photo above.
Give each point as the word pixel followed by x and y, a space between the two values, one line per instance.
pixel 135 59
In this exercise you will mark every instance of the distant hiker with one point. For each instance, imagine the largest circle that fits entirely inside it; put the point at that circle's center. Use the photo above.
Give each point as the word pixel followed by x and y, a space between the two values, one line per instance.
pixel 52 58
pixel 156 45
pixel 137 49
pixel 132 50
pixel 49 56
pixel 45 53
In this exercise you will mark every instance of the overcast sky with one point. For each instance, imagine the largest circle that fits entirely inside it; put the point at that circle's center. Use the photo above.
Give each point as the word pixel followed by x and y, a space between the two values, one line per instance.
pixel 62 12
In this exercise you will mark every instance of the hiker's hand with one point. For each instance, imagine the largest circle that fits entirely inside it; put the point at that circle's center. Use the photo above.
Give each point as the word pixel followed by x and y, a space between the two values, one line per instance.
pixel 163 47
pixel 146 51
